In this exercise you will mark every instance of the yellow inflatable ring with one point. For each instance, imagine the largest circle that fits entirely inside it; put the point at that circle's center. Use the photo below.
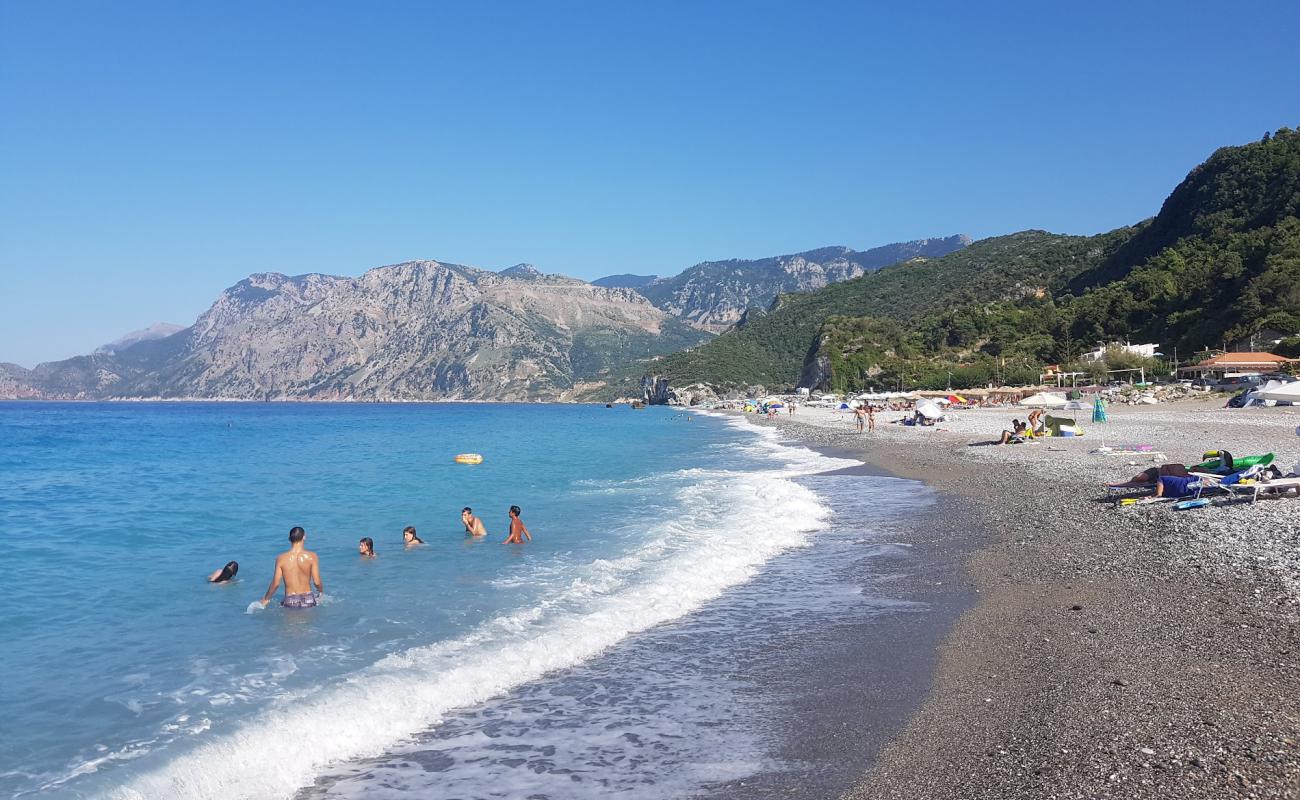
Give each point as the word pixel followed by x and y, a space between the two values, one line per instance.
pixel 469 458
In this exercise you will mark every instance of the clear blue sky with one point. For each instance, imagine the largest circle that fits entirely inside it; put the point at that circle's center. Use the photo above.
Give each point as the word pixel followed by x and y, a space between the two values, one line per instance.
pixel 152 154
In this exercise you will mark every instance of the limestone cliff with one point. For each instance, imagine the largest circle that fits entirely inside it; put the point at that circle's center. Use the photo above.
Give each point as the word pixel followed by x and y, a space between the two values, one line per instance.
pixel 411 331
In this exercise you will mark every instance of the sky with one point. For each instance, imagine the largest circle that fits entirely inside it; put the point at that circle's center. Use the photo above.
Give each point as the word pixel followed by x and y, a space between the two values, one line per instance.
pixel 153 154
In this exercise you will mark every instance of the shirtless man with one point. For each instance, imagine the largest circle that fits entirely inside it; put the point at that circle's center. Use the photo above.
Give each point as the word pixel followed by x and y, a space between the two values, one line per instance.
pixel 860 416
pixel 473 525
pixel 299 568
pixel 518 531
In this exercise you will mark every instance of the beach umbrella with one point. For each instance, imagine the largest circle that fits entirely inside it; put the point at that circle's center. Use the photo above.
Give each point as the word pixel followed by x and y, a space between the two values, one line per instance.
pixel 956 398
pixel 929 409
pixel 1044 399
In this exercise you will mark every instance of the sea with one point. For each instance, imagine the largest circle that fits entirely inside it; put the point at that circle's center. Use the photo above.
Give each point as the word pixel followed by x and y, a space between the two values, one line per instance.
pixel 612 656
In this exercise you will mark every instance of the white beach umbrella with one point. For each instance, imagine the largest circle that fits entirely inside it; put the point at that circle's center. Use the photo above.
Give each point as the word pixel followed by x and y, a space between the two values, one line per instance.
pixel 1045 400
pixel 929 409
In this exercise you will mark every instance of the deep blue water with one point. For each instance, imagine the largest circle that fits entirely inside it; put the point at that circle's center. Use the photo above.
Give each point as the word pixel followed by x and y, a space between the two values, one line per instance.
pixel 127 675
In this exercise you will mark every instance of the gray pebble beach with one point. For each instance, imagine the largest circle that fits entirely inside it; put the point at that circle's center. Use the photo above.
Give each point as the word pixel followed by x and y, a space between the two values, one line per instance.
pixel 1113 651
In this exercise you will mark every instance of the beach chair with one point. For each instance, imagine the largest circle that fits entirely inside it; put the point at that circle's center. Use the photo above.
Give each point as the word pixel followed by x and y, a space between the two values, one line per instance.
pixel 1255 488
pixel 1239 482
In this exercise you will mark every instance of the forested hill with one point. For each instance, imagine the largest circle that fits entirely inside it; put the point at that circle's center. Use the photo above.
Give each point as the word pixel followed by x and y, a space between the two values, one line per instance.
pixel 1219 262
pixel 770 347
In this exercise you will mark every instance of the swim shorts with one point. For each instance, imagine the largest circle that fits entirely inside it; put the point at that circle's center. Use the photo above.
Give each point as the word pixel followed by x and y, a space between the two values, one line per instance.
pixel 304 600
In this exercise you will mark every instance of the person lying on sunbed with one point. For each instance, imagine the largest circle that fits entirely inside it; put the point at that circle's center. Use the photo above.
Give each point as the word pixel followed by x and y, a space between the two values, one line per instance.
pixel 1150 475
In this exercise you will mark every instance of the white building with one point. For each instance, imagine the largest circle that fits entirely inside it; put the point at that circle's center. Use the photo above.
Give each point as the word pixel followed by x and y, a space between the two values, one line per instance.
pixel 1148 350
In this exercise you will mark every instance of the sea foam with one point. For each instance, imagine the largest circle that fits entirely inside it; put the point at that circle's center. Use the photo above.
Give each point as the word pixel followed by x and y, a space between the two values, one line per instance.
pixel 727 525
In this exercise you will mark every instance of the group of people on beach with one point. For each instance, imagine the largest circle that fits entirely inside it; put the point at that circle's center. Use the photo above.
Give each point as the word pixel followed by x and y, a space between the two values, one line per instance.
pixel 1032 426
pixel 865 414
pixel 299 568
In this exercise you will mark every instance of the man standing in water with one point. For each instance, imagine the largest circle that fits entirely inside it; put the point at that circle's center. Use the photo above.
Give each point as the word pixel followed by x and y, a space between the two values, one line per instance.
pixel 518 532
pixel 473 525
pixel 299 568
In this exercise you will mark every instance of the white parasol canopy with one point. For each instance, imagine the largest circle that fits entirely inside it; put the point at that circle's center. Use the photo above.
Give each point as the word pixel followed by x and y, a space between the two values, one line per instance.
pixel 929 409
pixel 1045 400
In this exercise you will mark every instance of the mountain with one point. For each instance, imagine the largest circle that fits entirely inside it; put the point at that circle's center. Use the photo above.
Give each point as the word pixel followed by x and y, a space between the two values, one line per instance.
pixel 714 295
pixel 158 330
pixel 770 347
pixel 1219 262
pixel 625 281
pixel 417 330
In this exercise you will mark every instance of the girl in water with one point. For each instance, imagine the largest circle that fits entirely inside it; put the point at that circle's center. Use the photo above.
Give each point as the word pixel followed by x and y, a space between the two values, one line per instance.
pixel 366 547
pixel 408 535
pixel 226 573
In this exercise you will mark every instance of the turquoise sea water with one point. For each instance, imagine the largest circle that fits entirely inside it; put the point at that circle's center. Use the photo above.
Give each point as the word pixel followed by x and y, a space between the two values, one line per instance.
pixel 129 676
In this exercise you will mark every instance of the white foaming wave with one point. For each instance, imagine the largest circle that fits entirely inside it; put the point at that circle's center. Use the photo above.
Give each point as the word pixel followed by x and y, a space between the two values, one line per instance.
pixel 731 524
pixel 770 443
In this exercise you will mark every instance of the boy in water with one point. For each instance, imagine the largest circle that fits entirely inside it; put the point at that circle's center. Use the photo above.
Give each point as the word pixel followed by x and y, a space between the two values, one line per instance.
pixel 473 525
pixel 518 531
pixel 299 568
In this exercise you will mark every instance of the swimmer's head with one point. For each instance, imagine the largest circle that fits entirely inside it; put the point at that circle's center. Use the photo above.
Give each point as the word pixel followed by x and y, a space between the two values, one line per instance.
pixel 367 546
pixel 514 511
pixel 466 510
pixel 228 572
pixel 408 533
pixel 297 534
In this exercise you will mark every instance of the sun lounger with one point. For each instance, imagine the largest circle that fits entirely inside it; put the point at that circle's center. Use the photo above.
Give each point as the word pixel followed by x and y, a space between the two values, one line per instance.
pixel 1239 481
pixel 1255 488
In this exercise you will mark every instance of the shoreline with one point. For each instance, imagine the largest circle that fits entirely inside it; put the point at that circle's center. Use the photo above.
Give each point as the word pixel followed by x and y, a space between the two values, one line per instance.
pixel 1110 653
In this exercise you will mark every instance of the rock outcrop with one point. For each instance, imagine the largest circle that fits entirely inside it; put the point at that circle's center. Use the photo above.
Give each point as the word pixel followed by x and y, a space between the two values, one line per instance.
pixel 413 331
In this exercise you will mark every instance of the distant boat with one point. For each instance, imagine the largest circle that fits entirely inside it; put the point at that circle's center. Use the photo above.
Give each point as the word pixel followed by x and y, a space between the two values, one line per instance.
pixel 638 404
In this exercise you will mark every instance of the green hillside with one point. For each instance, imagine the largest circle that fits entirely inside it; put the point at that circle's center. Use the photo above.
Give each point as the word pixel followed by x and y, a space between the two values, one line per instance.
pixel 1219 262
pixel 770 348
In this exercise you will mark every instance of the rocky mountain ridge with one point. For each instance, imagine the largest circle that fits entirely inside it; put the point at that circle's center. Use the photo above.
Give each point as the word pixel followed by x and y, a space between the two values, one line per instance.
pixel 425 330
pixel 158 330
pixel 713 295
pixel 411 331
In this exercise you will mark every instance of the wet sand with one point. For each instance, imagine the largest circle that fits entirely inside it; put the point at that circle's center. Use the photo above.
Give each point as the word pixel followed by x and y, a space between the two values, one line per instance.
pixel 845 691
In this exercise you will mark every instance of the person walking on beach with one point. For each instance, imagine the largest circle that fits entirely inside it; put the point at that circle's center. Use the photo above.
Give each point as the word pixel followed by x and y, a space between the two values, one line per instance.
pixel 871 418
pixel 518 531
pixel 299 568
pixel 473 525
pixel 408 536
pixel 859 417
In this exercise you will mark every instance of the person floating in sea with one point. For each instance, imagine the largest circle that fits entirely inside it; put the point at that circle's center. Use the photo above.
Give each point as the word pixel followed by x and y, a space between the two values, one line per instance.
pixel 366 547
pixel 226 573
pixel 408 535
pixel 299 568
pixel 473 525
pixel 859 417
pixel 518 531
